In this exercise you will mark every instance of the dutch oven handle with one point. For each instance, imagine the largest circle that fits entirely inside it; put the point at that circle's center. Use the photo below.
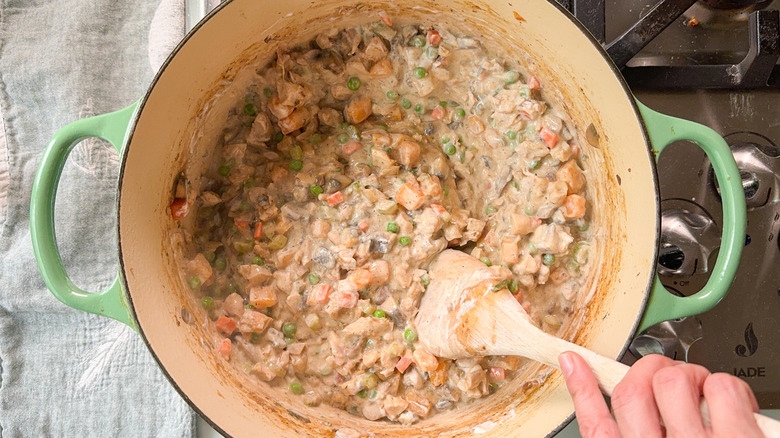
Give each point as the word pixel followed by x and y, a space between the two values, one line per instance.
pixel 663 130
pixel 111 301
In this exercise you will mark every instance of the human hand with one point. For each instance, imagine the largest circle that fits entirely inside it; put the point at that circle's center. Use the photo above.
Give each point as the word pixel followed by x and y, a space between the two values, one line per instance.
pixel 657 389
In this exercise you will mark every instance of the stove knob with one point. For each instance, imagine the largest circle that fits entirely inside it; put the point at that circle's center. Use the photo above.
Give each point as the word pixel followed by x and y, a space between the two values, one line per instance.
pixel 759 167
pixel 687 241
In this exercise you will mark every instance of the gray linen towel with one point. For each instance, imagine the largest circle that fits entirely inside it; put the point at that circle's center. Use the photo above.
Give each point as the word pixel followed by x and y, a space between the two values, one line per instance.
pixel 65 373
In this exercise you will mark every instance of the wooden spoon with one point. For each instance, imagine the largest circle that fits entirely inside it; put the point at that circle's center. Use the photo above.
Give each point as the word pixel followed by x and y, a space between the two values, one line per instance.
pixel 468 311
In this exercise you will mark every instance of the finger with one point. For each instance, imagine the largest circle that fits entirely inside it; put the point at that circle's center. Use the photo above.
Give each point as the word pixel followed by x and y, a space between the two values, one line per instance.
pixel 731 404
pixel 677 391
pixel 633 402
pixel 592 413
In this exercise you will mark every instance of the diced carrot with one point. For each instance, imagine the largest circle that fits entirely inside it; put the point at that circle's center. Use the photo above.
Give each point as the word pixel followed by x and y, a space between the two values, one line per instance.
pixel 225 348
pixel 244 225
pixel 409 153
pixel 226 325
pixel 534 83
pixel 574 207
pixel 347 298
pixel 358 109
pixel 433 38
pixel 526 306
pixel 336 199
pixel 498 373
pixel 360 277
pixel 438 113
pixel 410 196
pixel 519 296
pixel 262 297
pixel 363 225
pixel 426 361
pixel 404 362
pixel 571 174
pixel 549 137
pixel 179 208
pixel 438 208
pixel 351 147
pixel 439 376
pixel 385 17
pixel 259 230
pixel 321 293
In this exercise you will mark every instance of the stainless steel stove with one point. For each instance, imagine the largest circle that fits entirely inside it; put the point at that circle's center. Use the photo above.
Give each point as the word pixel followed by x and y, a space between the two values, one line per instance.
pixel 715 63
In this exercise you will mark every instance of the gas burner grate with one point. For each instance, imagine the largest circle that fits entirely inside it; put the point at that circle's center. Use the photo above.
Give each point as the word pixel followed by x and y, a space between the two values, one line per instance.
pixel 757 70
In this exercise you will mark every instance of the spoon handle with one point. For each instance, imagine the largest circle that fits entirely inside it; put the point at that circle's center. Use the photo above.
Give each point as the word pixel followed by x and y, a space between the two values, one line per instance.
pixel 609 373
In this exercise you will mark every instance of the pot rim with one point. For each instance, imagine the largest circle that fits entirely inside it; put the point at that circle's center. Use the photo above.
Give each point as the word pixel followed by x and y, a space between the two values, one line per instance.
pixel 142 102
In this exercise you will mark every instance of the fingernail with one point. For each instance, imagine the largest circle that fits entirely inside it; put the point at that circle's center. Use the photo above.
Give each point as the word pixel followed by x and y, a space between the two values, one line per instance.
pixel 567 366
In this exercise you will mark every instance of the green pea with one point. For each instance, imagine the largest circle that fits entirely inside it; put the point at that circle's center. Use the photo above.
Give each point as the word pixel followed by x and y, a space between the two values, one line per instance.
pixel 425 280
pixel 420 72
pixel 511 77
pixel 296 153
pixel 315 139
pixel 449 149
pixel 379 313
pixel 342 138
pixel 583 228
pixel 207 302
pixel 443 103
pixel 210 256
pixel 353 83
pixel 431 52
pixel 278 242
pixel 534 164
pixel 257 260
pixel 296 165
pixel 486 261
pixel 370 343
pixel 410 335
pixel 371 381
pixel 249 307
pixel 362 393
pixel 316 190
pixel 313 278
pixel 267 92
pixel 492 387
pixel 224 170
pixel 418 41
pixel 249 109
pixel 289 328
pixel 511 134
pixel 513 286
pixel 255 338
pixel 490 209
pixel 460 113
pixel 419 109
pixel 278 136
pixel 404 240
pixel 548 259
pixel 406 103
pixel 393 227
pixel 532 248
pixel 289 340
pixel 392 95
pixel 195 283
pixel 220 263
pixel 296 388
pixel 445 140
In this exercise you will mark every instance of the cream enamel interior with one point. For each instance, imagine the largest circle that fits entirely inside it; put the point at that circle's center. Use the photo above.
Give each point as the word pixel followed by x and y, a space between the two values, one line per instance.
pixel 620 174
